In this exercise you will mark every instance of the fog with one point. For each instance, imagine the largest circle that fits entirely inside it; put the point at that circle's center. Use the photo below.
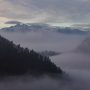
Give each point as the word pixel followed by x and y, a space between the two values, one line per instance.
pixel 45 40
pixel 76 65
pixel 73 60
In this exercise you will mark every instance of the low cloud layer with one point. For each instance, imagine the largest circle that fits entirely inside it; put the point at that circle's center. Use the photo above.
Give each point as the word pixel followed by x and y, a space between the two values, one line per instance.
pixel 12 22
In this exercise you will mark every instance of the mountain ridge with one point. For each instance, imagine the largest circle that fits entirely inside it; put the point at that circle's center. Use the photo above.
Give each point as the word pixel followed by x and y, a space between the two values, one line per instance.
pixel 84 46
pixel 20 27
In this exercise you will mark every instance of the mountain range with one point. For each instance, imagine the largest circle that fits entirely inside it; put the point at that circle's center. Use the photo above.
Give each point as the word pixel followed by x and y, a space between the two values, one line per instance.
pixel 20 27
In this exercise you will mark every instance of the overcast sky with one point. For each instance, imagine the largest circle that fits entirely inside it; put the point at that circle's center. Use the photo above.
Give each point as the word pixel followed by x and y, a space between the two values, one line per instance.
pixel 46 11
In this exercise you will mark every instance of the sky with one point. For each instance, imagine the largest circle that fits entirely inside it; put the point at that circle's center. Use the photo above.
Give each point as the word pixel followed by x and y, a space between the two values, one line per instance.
pixel 55 12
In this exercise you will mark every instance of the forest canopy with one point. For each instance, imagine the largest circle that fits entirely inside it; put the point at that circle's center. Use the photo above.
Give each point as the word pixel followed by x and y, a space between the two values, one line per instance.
pixel 15 59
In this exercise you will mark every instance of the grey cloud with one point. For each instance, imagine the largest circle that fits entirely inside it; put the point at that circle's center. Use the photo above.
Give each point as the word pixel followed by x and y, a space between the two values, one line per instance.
pixel 12 22
pixel 72 11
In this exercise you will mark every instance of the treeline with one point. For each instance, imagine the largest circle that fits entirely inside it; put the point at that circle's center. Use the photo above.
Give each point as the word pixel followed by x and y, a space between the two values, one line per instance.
pixel 15 59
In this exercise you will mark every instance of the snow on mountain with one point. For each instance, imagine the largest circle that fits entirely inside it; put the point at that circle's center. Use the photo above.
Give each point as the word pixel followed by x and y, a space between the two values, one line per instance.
pixel 20 27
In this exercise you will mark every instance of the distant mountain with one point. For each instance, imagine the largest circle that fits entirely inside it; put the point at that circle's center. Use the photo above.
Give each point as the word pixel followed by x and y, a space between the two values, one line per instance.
pixel 20 27
pixel 16 28
pixel 38 25
pixel 26 27
pixel 15 60
pixel 68 30
pixel 84 46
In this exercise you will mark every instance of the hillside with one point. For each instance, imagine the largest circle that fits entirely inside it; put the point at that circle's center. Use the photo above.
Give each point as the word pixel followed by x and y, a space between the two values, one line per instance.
pixel 84 46
pixel 15 59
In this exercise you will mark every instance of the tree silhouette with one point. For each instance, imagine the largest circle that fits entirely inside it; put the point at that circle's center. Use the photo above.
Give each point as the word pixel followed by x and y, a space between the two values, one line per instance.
pixel 15 59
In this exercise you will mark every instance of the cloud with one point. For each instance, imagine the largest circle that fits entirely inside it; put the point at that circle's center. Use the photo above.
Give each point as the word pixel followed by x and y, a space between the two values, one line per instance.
pixel 12 22
pixel 49 11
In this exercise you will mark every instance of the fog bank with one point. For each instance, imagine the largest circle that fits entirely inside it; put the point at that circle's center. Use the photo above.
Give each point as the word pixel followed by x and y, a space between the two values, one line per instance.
pixel 75 65
pixel 45 40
